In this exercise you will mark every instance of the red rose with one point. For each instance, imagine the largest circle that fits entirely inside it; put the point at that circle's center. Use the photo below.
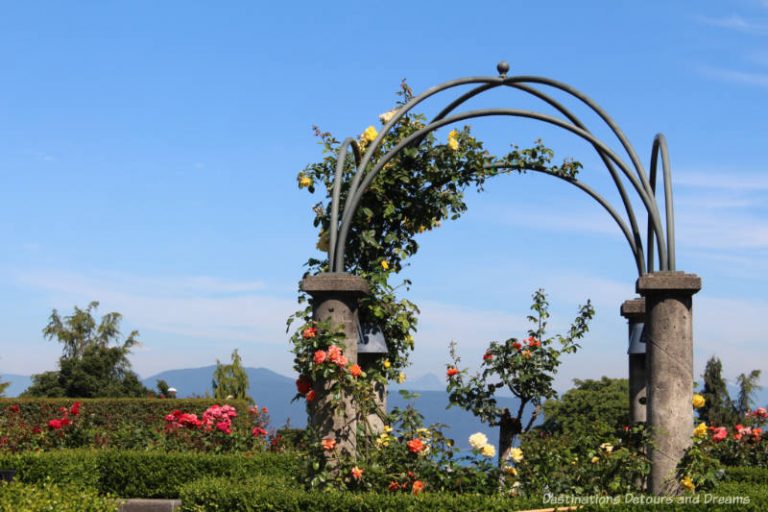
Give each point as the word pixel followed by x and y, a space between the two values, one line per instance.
pixel 309 332
pixel 488 356
pixel 310 396
pixel 303 385
pixel 15 408
pixel 75 409
pixel 452 371
pixel 393 486
pixel 258 432
pixel 517 345
pixel 65 422
pixel 720 434
pixel 54 424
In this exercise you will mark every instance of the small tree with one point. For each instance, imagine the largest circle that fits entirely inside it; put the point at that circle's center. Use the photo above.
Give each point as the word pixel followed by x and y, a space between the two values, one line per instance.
pixel 747 386
pixel 231 380
pixel 594 407
pixel 526 368
pixel 94 362
pixel 3 387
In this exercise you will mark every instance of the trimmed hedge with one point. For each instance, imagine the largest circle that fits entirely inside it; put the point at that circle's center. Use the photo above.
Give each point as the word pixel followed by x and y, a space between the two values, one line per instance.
pixel 747 474
pixel 132 474
pixel 265 494
pixel 125 423
pixel 16 497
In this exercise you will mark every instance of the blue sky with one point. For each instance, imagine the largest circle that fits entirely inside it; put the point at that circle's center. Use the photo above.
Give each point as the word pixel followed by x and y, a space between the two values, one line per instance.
pixel 148 155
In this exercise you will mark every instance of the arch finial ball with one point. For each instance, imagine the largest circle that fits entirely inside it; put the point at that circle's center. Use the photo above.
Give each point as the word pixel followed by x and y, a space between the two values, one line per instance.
pixel 502 67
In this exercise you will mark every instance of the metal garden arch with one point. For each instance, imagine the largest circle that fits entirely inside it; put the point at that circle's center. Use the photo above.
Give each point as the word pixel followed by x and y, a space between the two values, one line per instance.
pixel 665 309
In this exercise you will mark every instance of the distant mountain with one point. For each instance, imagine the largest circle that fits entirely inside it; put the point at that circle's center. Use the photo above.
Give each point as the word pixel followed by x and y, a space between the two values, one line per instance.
pixel 267 388
pixel 275 391
pixel 19 383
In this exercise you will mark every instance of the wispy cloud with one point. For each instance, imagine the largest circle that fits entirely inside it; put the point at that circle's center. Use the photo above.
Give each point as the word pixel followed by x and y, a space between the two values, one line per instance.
pixel 200 307
pixel 739 77
pixel 737 23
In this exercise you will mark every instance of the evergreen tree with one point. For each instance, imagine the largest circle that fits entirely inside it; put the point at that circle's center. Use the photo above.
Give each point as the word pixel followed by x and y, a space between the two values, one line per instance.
pixel 231 380
pixel 719 409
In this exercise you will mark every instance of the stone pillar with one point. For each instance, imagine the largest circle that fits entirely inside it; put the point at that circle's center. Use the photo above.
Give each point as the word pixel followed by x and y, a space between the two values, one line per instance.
pixel 375 420
pixel 669 340
pixel 334 297
pixel 634 311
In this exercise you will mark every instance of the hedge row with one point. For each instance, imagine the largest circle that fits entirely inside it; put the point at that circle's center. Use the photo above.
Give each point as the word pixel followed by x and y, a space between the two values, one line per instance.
pixel 110 413
pixel 265 494
pixel 747 474
pixel 125 423
pixel 132 474
pixel 17 497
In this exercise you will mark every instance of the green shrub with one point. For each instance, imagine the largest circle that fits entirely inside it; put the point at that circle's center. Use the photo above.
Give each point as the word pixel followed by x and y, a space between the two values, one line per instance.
pixel 747 474
pixel 125 423
pixel 18 497
pixel 262 494
pixel 131 474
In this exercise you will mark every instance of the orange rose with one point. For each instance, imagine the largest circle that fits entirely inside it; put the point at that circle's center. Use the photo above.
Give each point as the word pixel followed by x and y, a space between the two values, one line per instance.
pixel 320 356
pixel 357 473
pixel 328 444
pixel 415 445
pixel 418 487
pixel 393 486
pixel 355 370
pixel 310 396
pixel 309 332
pixel 452 371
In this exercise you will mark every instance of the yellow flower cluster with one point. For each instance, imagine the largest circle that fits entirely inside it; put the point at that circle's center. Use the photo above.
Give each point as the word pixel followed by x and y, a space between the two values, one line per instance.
pixel 453 140
pixel 305 181
pixel 369 135
pixel 385 264
pixel 698 401
pixel 606 447
pixel 400 378
pixel 688 484
pixel 516 454
pixel 479 442
pixel 700 431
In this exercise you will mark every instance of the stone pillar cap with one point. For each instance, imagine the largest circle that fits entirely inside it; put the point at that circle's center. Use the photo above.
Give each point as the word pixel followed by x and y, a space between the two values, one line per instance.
pixel 633 309
pixel 667 281
pixel 335 282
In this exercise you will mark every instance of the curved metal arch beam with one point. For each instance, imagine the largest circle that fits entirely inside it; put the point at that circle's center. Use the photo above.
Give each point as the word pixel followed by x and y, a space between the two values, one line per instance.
pixel 637 251
pixel 354 199
pixel 571 117
pixel 341 158
pixel 492 82
pixel 660 147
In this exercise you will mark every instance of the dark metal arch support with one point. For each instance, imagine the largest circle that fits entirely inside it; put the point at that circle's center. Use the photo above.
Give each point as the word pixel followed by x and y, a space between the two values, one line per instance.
pixel 637 251
pixel 336 197
pixel 573 119
pixel 354 197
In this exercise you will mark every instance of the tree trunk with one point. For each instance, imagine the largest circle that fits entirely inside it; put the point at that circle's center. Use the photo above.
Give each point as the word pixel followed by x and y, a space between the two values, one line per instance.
pixel 509 428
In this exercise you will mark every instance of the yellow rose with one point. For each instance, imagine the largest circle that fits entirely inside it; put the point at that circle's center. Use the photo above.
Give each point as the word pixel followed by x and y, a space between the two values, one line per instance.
pixel 370 134
pixel 422 229
pixel 478 440
pixel 516 454
pixel 698 401
pixel 510 470
pixel 305 181
pixel 401 378
pixel 700 431
pixel 387 429
pixel 607 447
pixel 688 483
pixel 385 264
pixel 386 364
pixel 488 451
pixel 453 141
pixel 595 459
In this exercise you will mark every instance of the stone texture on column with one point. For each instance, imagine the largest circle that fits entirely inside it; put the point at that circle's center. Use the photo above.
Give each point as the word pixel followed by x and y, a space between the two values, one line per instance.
pixel 634 311
pixel 375 421
pixel 335 297
pixel 669 339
